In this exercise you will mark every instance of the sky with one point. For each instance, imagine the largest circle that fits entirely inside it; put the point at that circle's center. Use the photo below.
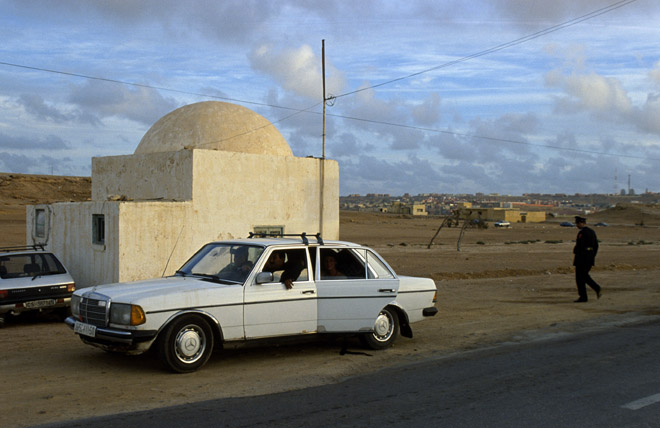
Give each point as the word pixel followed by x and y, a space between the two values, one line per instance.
pixel 423 96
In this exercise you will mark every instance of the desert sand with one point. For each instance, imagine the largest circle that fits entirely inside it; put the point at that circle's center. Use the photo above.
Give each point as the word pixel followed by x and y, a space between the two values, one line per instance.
pixel 503 286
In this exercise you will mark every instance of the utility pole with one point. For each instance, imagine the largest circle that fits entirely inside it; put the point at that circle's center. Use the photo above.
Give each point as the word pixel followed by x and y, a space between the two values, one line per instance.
pixel 324 99
pixel 322 165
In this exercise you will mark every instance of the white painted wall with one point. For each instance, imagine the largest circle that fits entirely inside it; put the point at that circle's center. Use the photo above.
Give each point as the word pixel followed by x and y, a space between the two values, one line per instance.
pixel 204 195
pixel 70 238
pixel 154 176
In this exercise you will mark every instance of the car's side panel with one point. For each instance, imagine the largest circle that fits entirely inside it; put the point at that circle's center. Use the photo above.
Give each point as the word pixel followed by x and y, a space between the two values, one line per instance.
pixel 353 305
pixel 415 294
pixel 223 303
pixel 273 310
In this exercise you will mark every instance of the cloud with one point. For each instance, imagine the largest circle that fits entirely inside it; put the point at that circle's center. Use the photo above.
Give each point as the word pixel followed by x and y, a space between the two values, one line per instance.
pixel 235 21
pixel 392 121
pixel 297 70
pixel 49 142
pixel 647 117
pixel 654 74
pixel 106 99
pixel 590 92
pixel 427 113
pixel 23 164
pixel 606 99
pixel 383 176
pixel 37 106
pixel 526 12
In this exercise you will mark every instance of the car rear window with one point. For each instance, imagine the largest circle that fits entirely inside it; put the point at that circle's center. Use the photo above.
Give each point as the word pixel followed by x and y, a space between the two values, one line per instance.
pixel 33 264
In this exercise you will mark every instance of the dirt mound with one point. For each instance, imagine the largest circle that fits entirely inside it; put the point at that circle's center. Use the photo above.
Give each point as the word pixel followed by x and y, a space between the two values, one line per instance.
pixel 25 189
pixel 640 214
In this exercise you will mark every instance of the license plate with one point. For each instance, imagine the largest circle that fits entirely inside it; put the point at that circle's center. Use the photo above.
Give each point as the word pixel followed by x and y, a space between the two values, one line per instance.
pixel 39 303
pixel 84 329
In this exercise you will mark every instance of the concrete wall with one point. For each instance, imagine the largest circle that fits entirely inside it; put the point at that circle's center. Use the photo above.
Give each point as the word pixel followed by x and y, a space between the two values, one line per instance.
pixel 166 176
pixel 154 238
pixel 224 195
pixel 234 192
pixel 70 238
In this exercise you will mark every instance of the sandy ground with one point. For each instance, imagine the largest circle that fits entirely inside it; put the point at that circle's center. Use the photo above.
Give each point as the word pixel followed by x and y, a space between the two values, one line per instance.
pixel 507 285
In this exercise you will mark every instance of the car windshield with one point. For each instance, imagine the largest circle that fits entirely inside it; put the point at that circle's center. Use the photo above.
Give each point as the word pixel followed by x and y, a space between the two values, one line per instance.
pixel 33 264
pixel 223 262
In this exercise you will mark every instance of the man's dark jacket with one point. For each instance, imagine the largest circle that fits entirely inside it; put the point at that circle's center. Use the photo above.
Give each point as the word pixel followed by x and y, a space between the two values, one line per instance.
pixel 586 248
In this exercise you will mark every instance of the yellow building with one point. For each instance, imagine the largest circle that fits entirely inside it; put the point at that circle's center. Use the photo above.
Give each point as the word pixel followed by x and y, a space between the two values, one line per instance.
pixel 503 214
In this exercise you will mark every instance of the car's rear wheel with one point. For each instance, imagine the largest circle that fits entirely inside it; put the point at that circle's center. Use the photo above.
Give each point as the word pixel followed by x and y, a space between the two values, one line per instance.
pixel 386 330
pixel 187 344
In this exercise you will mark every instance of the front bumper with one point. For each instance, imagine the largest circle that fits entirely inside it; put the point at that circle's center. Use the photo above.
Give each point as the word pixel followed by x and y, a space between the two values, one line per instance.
pixel 35 305
pixel 116 339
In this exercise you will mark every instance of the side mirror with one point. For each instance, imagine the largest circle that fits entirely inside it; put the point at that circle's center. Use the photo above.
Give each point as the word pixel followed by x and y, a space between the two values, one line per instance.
pixel 264 277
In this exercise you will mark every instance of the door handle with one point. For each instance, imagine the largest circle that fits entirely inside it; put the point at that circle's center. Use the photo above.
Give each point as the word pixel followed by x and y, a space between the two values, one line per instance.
pixel 386 290
pixel 308 292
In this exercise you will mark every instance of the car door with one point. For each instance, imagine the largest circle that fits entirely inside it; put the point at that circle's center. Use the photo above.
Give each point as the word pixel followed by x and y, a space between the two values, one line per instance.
pixel 271 309
pixel 351 301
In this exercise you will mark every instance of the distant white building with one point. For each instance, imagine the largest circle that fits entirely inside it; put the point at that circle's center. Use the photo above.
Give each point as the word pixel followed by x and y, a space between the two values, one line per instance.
pixel 204 172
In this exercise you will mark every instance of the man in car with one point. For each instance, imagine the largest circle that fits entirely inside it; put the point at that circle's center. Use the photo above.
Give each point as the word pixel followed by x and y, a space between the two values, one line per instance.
pixel 292 268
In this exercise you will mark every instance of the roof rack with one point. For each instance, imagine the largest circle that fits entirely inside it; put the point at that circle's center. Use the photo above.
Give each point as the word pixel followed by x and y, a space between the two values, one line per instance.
pixel 302 236
pixel 35 247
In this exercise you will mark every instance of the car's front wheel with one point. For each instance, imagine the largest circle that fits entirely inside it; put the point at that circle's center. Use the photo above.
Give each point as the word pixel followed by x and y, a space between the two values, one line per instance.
pixel 386 330
pixel 186 344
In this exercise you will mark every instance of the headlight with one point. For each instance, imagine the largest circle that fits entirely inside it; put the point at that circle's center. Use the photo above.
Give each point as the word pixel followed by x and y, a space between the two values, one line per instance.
pixel 122 313
pixel 75 305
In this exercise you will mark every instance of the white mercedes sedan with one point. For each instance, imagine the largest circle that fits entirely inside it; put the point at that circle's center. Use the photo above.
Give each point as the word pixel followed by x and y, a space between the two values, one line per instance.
pixel 256 288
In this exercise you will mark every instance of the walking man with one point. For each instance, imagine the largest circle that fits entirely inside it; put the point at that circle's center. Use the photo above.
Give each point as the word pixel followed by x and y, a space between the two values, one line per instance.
pixel 585 250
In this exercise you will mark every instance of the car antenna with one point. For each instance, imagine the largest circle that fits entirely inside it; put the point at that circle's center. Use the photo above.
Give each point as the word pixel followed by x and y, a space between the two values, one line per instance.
pixel 173 248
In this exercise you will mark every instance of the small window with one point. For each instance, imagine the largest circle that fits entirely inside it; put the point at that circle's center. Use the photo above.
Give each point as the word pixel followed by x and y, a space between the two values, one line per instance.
pixel 98 229
pixel 40 223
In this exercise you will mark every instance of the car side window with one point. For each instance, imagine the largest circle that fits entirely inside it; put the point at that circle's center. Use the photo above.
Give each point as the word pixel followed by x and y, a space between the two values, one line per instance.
pixel 288 264
pixel 376 267
pixel 360 263
pixel 351 263
pixel 332 264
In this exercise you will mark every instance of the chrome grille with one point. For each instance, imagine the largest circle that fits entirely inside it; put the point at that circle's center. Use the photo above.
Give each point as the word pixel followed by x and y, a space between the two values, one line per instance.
pixel 94 311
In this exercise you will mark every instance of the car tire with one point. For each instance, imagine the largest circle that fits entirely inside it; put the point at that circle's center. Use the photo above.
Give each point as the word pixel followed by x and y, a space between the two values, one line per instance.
pixel 386 330
pixel 186 344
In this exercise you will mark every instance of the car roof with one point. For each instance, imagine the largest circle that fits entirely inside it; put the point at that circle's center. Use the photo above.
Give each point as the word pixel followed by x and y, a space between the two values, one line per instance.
pixel 23 249
pixel 281 242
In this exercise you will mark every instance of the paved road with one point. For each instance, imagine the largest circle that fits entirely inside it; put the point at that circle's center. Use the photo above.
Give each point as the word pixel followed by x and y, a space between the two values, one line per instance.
pixel 607 378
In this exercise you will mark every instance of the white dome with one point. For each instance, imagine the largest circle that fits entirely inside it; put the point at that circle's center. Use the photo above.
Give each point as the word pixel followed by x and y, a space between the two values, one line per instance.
pixel 214 125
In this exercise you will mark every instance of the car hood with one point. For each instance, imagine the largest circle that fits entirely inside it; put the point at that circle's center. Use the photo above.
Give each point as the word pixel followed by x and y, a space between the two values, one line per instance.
pixel 137 292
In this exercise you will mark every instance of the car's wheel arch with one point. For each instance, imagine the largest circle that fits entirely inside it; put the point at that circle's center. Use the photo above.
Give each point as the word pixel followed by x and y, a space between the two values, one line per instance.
pixel 210 319
pixel 404 325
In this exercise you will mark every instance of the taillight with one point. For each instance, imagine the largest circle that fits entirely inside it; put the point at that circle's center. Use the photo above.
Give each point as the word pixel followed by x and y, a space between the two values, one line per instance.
pixel 4 294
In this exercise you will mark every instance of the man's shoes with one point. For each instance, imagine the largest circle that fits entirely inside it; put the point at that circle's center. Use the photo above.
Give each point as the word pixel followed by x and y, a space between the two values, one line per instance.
pixel 599 293
pixel 579 300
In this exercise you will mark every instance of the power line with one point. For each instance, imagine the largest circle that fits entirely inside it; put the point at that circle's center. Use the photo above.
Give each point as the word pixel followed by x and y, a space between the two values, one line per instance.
pixel 502 46
pixel 141 85
pixel 296 111
pixel 501 140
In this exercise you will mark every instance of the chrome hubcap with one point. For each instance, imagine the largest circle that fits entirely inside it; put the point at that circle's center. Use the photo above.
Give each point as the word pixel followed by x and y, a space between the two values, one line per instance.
pixel 190 344
pixel 383 327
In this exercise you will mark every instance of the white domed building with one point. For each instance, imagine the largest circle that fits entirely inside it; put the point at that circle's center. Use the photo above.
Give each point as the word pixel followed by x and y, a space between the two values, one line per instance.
pixel 204 172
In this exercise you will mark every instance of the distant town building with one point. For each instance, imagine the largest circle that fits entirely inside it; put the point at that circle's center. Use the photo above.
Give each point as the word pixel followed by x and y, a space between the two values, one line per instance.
pixel 409 209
